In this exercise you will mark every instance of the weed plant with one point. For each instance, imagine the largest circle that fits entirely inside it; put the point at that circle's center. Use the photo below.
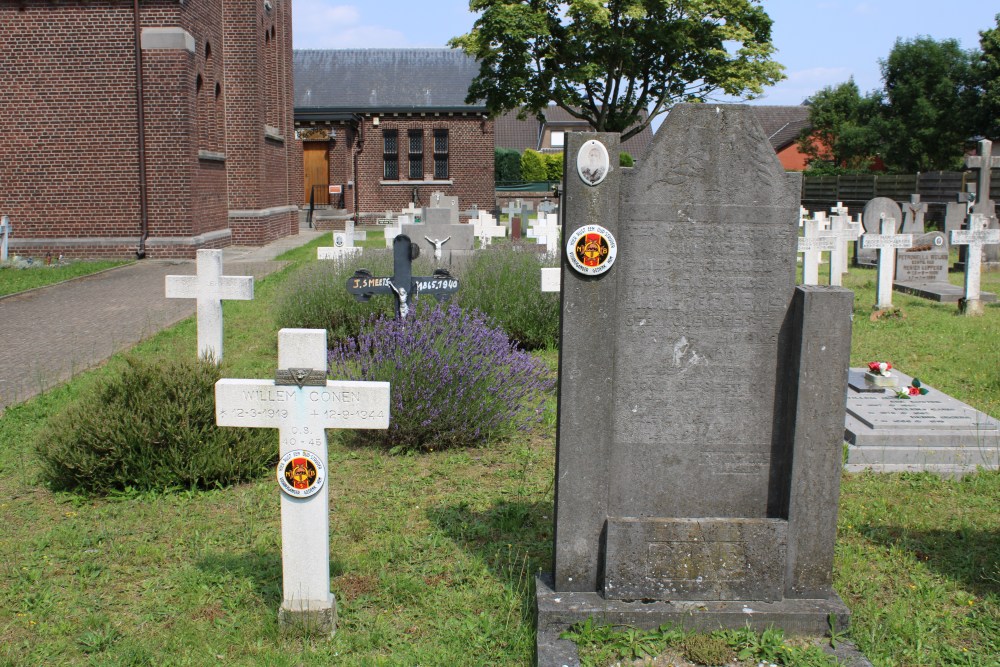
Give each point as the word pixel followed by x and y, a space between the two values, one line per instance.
pixel 150 428
pixel 456 380
pixel 504 281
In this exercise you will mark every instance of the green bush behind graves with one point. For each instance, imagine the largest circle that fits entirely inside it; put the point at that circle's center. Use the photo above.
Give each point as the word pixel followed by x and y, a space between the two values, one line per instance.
pixel 150 427
pixel 533 166
pixel 553 166
pixel 505 283
pixel 507 165
pixel 625 160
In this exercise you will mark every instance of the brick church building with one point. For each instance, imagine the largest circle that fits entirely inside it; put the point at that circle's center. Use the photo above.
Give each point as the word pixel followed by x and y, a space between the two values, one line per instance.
pixel 147 128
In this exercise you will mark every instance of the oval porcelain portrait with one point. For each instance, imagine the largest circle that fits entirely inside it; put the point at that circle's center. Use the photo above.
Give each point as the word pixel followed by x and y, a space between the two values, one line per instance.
pixel 592 162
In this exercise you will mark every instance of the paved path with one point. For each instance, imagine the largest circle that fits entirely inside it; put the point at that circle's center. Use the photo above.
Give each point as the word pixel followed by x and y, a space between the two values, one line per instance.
pixel 49 334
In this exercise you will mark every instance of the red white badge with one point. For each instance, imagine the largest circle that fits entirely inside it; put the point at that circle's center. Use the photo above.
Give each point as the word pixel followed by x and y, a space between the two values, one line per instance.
pixel 591 250
pixel 301 473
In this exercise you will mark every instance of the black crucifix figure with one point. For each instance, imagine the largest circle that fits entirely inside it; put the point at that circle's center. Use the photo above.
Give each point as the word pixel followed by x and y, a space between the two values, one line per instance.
pixel 403 284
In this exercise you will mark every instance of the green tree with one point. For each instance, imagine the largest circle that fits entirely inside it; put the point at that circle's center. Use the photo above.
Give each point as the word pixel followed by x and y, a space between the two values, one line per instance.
pixel 554 166
pixel 608 61
pixel 987 69
pixel 843 128
pixel 507 165
pixel 931 103
pixel 533 166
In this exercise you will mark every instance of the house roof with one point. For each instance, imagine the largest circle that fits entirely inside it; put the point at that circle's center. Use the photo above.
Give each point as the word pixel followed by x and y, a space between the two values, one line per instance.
pixel 383 80
pixel 782 124
pixel 511 132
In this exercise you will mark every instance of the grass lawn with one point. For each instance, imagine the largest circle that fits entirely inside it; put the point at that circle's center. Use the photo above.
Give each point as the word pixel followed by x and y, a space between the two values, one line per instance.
pixel 13 280
pixel 433 555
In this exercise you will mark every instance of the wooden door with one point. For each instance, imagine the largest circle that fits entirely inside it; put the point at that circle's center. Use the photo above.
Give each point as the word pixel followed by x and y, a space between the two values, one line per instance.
pixel 316 158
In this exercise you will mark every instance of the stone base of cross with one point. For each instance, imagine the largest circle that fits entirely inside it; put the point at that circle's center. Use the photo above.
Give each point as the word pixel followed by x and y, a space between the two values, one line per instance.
pixel 976 237
pixel 301 403
pixel 210 287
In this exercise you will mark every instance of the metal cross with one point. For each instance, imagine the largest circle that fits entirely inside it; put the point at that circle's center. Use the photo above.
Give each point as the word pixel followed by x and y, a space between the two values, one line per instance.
pixel 403 285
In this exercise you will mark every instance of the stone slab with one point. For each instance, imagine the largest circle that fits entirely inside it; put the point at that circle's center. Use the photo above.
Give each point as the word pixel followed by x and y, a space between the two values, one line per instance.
pixel 939 291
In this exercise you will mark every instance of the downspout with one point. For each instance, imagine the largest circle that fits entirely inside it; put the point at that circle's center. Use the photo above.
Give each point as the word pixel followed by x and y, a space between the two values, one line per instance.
pixel 140 253
pixel 359 128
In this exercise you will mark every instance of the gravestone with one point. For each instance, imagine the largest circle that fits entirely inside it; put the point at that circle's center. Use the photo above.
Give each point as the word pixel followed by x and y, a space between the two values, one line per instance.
pixel 210 287
pixel 343 247
pixel 870 218
pixel 4 234
pixel 439 216
pixel 301 403
pixel 913 216
pixel 551 281
pixel 984 164
pixel 459 246
pixel 516 212
pixel 812 244
pixel 392 231
pixel 403 285
pixel 485 228
pixel 548 207
pixel 846 232
pixel 441 200
pixel 933 432
pixel 546 231
pixel 886 242
pixel 975 239
pixel 956 214
pixel 922 270
pixel 701 395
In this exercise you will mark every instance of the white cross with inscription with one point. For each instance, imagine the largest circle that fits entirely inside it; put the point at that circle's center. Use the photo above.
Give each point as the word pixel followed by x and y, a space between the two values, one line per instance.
pixel 210 287
pixel 846 232
pixel 839 209
pixel 985 162
pixel 975 237
pixel 4 233
pixel 485 228
pixel 546 230
pixel 302 411
pixel 343 247
pixel 812 245
pixel 887 242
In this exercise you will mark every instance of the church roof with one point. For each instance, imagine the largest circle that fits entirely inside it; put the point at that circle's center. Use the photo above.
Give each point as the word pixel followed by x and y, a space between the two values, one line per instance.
pixel 383 80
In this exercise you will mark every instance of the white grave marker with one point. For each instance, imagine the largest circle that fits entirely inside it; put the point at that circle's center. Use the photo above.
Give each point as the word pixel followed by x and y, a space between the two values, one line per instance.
pixel 343 247
pixel 546 230
pixel 210 287
pixel 4 233
pixel 845 232
pixel 485 228
pixel 301 411
pixel 812 245
pixel 886 243
pixel 975 237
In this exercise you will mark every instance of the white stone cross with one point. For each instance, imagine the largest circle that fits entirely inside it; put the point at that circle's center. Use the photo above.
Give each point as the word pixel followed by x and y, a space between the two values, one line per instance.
pixel 485 227
pixel 4 233
pixel 887 242
pixel 546 230
pixel 846 232
pixel 343 247
pixel 985 162
pixel 301 411
pixel 411 210
pixel 824 222
pixel 975 237
pixel 812 245
pixel 438 246
pixel 392 231
pixel 551 279
pixel 839 209
pixel 803 215
pixel 210 287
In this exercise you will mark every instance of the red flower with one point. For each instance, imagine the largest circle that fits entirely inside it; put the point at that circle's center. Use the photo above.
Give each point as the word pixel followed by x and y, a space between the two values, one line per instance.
pixel 914 391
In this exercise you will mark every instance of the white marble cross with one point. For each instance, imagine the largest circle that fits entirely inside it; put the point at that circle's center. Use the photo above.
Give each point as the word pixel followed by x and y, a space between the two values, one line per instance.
pixel 4 233
pixel 846 232
pixel 839 209
pixel 803 215
pixel 546 230
pixel 210 287
pixel 812 245
pixel 886 242
pixel 411 210
pixel 392 231
pixel 551 279
pixel 485 227
pixel 984 163
pixel 302 410
pixel 343 247
pixel 975 237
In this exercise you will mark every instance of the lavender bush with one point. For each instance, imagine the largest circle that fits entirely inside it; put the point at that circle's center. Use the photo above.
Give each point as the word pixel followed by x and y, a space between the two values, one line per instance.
pixel 456 380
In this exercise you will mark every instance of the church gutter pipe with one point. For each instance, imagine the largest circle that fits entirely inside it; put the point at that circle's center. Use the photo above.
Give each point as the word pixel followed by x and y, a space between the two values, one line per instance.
pixel 140 252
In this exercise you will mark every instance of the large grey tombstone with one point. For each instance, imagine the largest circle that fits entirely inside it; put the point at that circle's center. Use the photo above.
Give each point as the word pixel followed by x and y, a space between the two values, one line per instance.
pixel 460 243
pixel 711 511
pixel 913 215
pixel 441 200
pixel 438 216
pixel 870 218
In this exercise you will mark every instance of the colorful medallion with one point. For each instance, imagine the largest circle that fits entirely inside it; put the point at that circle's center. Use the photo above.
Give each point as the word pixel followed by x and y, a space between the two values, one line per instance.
pixel 591 250
pixel 301 473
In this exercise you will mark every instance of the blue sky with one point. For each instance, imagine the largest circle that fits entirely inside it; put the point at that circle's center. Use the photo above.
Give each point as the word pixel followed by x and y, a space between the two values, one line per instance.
pixel 820 42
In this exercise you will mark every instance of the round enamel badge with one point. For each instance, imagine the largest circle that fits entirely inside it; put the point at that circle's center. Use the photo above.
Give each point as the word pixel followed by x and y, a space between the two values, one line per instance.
pixel 591 250
pixel 301 473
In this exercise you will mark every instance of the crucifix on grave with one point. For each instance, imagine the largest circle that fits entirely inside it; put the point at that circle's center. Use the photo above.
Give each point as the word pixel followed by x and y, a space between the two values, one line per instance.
pixel 976 237
pixel 4 234
pixel 403 285
pixel 438 246
pixel 301 403
pixel 210 287
pixel 913 215
pixel 812 245
pixel 887 242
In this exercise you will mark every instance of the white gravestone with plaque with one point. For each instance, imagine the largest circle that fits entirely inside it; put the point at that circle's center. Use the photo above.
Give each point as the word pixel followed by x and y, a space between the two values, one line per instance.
pixel 812 245
pixel 886 243
pixel 210 287
pixel 975 238
pixel 343 247
pixel 301 403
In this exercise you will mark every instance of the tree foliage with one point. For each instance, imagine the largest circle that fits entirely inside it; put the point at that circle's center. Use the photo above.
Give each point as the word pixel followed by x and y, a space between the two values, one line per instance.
pixel 533 166
pixel 507 165
pixel 843 128
pixel 930 104
pixel 608 62
pixel 987 71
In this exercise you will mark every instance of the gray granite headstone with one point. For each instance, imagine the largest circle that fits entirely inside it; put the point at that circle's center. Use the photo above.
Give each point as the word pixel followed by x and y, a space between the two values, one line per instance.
pixel 460 240
pixel 438 216
pixel 913 216
pixel 870 219
pixel 701 393
pixel 441 200
pixel 923 271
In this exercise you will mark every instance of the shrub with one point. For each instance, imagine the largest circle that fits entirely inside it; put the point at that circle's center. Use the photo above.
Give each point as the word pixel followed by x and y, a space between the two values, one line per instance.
pixel 553 166
pixel 504 282
pixel 625 160
pixel 507 165
pixel 708 650
pixel 455 380
pixel 151 427
pixel 533 166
